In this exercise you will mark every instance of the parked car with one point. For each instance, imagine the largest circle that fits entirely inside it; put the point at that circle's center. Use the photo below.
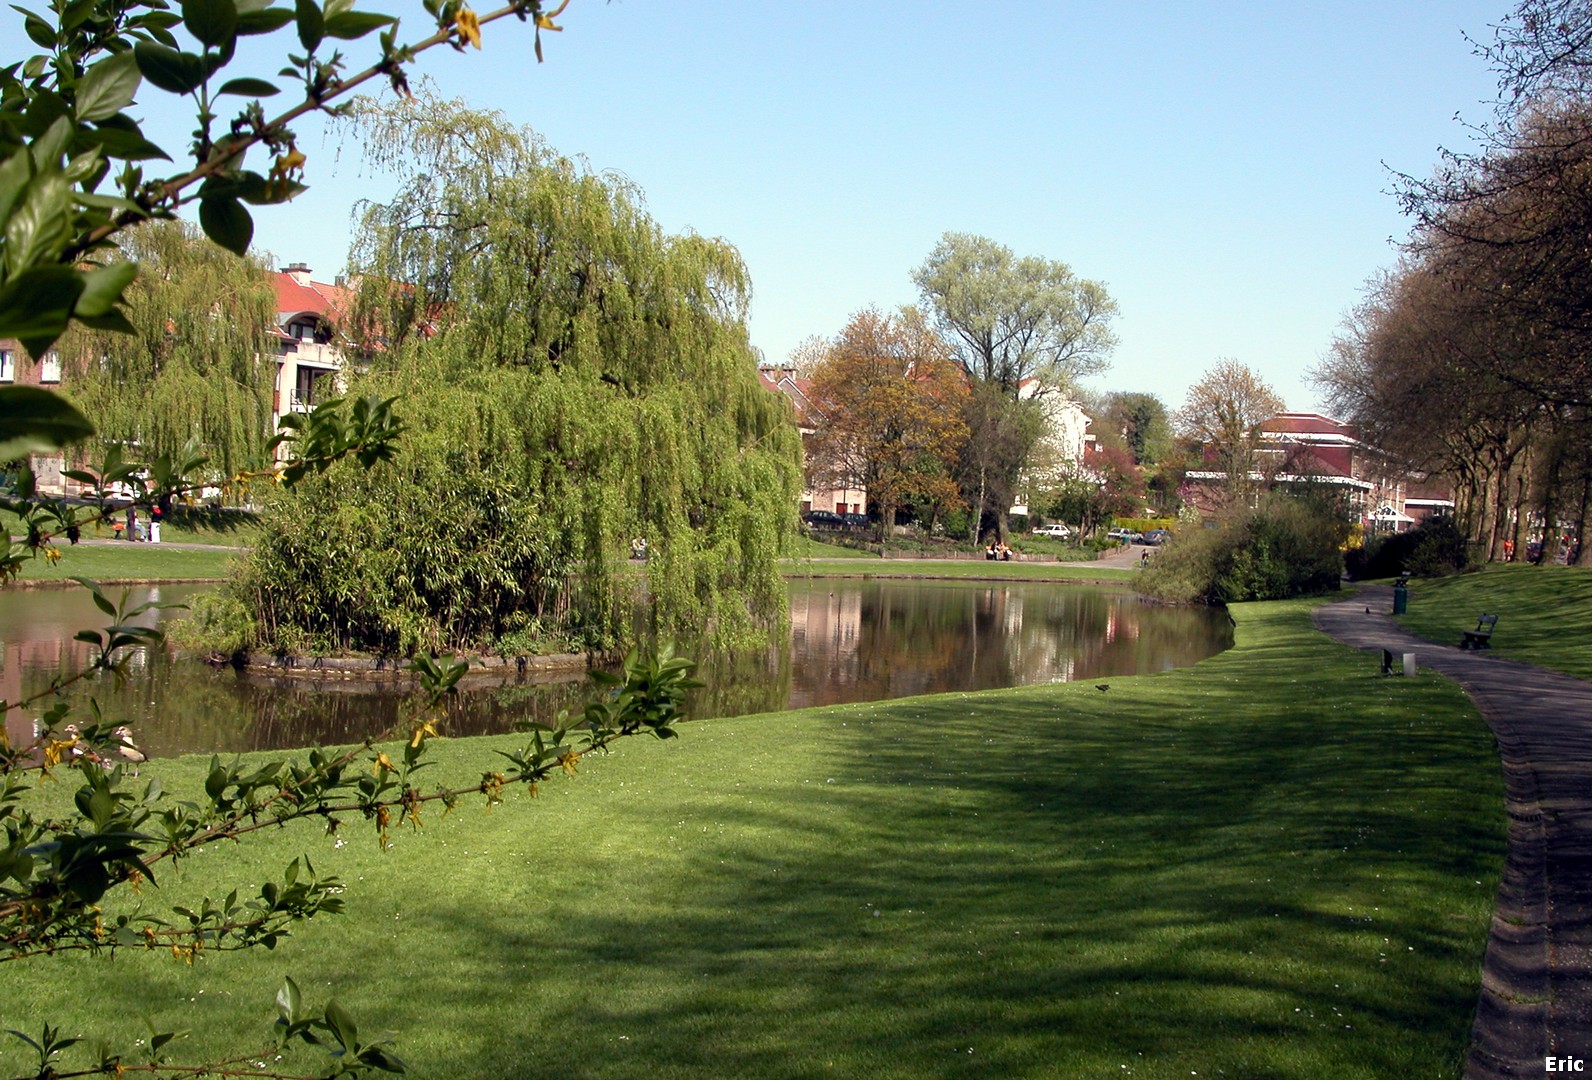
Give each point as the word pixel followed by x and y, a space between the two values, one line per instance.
pixel 1157 537
pixel 823 519
pixel 856 521
pixel 1056 531
pixel 1125 536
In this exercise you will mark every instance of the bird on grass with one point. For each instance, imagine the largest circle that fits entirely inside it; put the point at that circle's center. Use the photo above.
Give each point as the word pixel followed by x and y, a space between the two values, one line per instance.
pixel 1102 687
pixel 122 736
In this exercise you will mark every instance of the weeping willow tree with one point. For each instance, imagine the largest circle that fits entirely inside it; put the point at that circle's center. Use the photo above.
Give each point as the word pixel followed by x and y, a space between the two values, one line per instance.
pixel 572 379
pixel 197 368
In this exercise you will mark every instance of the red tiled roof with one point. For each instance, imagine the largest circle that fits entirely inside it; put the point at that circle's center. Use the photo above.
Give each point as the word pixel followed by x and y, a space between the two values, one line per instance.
pixel 1305 424
pixel 331 302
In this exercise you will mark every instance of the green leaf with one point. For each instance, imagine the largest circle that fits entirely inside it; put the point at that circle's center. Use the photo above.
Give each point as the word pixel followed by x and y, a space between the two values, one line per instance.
pixel 342 1025
pixel 103 287
pixel 172 71
pixel 289 1002
pixel 263 21
pixel 352 25
pixel 40 224
pixel 113 322
pixel 226 222
pixel 248 88
pixel 311 23
pixel 108 88
pixel 120 137
pixel 36 306
pixel 39 30
pixel 212 22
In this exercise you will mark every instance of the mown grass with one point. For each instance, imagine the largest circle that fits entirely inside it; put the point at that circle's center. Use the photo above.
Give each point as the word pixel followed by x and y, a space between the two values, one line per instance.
pixel 981 569
pixel 222 528
pixel 1274 864
pixel 122 562
pixel 808 547
pixel 1544 612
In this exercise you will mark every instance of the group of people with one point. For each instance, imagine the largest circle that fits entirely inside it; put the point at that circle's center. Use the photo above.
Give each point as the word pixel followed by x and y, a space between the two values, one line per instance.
pixel 136 529
pixel 997 550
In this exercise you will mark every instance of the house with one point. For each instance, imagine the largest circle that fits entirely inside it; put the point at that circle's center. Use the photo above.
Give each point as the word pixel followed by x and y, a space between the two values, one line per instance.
pixel 817 496
pixel 17 370
pixel 1064 443
pixel 312 358
pixel 311 363
pixel 1308 448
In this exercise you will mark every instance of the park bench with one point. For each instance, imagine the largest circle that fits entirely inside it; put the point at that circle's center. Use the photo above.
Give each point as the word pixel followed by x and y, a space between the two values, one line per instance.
pixel 1481 637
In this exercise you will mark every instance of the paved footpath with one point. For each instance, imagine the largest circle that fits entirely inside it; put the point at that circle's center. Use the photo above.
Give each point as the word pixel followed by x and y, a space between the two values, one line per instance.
pixel 1536 995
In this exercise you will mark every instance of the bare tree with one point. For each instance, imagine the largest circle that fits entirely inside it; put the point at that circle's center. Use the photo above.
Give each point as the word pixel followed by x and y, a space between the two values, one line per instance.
pixel 1224 411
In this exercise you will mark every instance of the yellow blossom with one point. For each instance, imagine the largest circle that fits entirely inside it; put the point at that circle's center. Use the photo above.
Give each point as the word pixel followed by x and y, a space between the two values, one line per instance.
pixel 545 22
pixel 52 554
pixel 55 750
pixel 421 731
pixel 383 762
pixel 290 162
pixel 468 25
pixel 569 761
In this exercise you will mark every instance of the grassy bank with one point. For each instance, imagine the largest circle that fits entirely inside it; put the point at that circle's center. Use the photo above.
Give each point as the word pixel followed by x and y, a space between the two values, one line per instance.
pixel 115 562
pixel 972 568
pixel 1545 612
pixel 1274 864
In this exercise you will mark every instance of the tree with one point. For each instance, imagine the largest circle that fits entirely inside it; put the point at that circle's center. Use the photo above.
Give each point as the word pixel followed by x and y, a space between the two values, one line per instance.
pixel 588 380
pixel 1144 424
pixel 1010 321
pixel 1224 411
pixel 1110 485
pixel 63 121
pixel 892 404
pixel 196 370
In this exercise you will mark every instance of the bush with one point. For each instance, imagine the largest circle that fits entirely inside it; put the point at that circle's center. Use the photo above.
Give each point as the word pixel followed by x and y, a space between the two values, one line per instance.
pixel 1436 549
pixel 216 622
pixel 1287 546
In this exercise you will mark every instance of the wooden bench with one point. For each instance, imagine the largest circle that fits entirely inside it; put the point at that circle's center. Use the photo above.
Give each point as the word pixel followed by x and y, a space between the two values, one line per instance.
pixel 1481 637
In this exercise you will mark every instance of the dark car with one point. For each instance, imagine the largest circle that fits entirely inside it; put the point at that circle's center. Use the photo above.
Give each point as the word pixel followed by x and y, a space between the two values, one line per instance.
pixel 1157 537
pixel 823 519
pixel 856 521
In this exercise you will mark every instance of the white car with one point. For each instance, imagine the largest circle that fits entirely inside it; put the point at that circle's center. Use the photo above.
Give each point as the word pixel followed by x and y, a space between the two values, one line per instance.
pixel 1058 531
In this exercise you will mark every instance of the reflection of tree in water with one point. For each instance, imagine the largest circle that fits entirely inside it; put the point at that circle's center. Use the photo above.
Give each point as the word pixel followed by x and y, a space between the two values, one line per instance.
pixel 749 681
pixel 850 641
pixel 901 638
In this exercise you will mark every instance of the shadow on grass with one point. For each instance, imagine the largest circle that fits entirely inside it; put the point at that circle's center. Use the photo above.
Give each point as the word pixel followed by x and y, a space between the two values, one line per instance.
pixel 1273 865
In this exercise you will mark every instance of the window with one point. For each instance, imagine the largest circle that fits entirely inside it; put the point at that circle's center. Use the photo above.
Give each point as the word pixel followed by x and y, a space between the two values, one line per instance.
pixel 8 368
pixel 50 367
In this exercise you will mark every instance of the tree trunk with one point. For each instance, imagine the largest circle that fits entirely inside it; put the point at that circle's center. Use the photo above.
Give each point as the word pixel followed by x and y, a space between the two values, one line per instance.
pixel 978 510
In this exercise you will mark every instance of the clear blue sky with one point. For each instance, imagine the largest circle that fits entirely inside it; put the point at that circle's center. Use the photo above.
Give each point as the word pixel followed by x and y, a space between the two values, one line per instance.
pixel 1220 166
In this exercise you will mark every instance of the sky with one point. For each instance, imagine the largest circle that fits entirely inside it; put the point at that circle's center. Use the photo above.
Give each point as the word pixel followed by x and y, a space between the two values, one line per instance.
pixel 1223 168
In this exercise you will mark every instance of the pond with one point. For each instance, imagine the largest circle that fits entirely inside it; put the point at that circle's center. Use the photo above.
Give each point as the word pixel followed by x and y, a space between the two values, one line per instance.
pixel 850 640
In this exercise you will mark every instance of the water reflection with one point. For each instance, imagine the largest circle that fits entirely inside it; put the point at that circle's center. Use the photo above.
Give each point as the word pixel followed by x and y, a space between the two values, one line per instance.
pixel 849 641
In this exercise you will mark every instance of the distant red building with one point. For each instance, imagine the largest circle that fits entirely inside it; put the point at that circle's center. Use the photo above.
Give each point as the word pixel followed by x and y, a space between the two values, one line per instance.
pixel 1308 448
pixel 798 391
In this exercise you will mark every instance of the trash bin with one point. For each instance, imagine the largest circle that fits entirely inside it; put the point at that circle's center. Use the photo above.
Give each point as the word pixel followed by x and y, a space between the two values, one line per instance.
pixel 1401 595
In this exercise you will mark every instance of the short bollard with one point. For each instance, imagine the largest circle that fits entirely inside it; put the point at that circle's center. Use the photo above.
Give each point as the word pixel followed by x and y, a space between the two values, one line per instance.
pixel 1409 665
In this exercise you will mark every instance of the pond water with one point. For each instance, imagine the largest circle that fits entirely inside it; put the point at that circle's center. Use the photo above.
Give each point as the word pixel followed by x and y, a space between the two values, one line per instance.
pixel 850 640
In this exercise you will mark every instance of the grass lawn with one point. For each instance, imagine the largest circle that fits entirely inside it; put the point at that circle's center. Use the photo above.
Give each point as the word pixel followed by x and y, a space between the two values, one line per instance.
pixel 971 568
pixel 132 562
pixel 808 548
pixel 223 528
pixel 1274 864
pixel 1545 612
